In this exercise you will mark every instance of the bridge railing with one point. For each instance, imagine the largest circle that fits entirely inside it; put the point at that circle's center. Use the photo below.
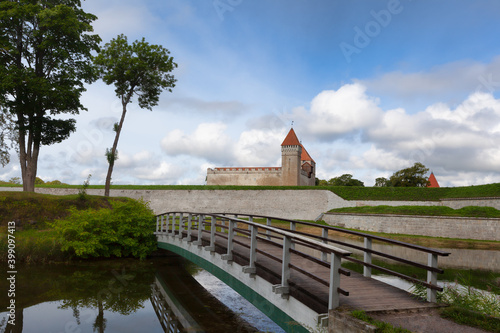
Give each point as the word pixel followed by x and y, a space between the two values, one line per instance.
pixel 432 254
pixel 184 224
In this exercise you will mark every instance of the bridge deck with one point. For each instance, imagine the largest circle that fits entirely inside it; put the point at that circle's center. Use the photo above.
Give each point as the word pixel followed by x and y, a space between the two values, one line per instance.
pixel 365 294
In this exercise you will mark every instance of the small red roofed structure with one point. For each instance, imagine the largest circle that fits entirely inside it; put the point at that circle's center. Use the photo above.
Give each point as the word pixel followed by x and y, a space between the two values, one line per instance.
pixel 433 181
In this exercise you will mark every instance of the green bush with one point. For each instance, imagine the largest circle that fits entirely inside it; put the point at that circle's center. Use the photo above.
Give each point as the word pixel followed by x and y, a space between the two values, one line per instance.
pixel 125 230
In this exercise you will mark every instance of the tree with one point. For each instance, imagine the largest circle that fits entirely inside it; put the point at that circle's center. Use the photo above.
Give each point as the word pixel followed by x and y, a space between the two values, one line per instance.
pixel 7 136
pixel 139 69
pixel 410 177
pixel 345 180
pixel 382 182
pixel 45 56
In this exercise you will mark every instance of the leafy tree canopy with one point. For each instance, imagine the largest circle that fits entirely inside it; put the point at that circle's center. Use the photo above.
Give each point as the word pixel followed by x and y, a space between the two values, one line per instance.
pixel 45 53
pixel 138 69
pixel 410 177
pixel 382 182
pixel 345 180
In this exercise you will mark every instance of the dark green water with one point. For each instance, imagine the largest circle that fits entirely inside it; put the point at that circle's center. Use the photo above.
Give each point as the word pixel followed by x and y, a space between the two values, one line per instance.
pixel 159 295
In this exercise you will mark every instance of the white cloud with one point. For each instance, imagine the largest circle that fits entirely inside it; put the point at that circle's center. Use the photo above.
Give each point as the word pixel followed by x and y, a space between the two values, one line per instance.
pixel 346 110
pixel 208 141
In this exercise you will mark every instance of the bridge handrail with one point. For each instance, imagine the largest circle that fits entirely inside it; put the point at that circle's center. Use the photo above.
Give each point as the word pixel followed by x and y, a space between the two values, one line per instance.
pixel 432 260
pixel 282 232
pixel 288 238
pixel 352 232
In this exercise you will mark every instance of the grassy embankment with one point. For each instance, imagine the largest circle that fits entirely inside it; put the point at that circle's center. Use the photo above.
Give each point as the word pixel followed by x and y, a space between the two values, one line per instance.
pixel 470 211
pixel 36 240
pixel 346 192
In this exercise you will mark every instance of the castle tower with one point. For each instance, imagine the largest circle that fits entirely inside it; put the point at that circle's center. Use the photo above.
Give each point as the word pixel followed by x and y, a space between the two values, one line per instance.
pixel 291 151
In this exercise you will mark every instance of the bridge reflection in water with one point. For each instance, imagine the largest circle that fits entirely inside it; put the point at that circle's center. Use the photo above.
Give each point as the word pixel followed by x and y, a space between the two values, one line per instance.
pixel 182 304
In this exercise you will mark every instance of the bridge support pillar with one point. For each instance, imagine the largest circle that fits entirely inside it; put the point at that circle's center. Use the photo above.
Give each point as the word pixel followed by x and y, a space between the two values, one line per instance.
pixel 432 260
pixel 189 227
pixel 230 236
pixel 324 234
pixel 333 297
pixel 251 269
pixel 367 271
pixel 283 289
pixel 211 247
pixel 181 225
pixel 201 218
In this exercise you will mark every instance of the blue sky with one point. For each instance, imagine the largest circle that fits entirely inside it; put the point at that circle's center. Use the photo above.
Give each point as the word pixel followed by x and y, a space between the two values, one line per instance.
pixel 372 87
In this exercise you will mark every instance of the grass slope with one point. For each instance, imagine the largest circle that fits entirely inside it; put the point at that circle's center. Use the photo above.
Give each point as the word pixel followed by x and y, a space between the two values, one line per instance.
pixel 34 209
pixel 470 211
pixel 345 192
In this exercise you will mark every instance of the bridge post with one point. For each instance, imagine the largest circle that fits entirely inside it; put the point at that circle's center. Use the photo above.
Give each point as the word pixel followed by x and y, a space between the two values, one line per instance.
pixel 324 234
pixel 230 245
pixel 251 269
pixel 167 218
pixel 181 225
pixel 333 297
pixel 189 227
pixel 268 232
pixel 432 261
pixel 174 223
pixel 201 218
pixel 283 288
pixel 367 257
pixel 293 227
pixel 211 248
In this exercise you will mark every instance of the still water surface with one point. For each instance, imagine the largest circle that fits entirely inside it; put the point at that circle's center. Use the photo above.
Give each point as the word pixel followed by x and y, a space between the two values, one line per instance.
pixel 161 295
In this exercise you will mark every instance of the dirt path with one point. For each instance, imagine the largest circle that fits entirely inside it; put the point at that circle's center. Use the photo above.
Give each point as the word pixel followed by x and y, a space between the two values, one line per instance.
pixel 424 322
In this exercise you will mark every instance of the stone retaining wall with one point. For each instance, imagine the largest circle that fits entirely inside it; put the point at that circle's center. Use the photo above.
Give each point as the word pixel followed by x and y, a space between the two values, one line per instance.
pixel 442 226
pixel 292 204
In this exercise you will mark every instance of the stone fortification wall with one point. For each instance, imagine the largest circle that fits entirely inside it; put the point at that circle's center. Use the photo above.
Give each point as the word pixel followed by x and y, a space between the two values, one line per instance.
pixel 442 226
pixel 269 176
pixel 305 180
pixel 455 203
pixel 292 204
pixel 459 203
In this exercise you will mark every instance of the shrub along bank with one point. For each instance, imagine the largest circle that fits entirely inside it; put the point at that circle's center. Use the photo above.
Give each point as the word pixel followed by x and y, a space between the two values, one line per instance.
pixel 59 228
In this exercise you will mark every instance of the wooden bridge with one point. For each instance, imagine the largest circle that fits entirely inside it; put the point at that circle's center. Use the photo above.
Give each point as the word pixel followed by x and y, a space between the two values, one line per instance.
pixel 291 275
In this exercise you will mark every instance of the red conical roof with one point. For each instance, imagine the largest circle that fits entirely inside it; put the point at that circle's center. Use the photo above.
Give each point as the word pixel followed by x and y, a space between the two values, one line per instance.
pixel 433 181
pixel 305 155
pixel 291 139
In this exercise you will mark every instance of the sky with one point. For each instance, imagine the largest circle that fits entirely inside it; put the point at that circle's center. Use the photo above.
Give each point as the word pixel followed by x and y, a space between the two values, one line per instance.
pixel 371 88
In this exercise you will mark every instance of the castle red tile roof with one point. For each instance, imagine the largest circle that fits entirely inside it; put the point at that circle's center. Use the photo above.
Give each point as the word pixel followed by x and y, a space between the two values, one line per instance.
pixel 291 139
pixel 433 181
pixel 305 155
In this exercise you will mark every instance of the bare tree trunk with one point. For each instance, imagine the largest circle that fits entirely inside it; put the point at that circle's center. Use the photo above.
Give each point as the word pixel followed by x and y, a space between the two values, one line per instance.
pixel 112 158
pixel 28 157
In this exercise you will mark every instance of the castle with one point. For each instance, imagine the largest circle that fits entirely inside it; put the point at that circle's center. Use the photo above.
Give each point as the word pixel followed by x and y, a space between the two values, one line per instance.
pixel 297 169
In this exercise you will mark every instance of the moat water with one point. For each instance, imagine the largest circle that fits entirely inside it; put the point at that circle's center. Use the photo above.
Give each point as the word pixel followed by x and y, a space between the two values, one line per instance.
pixel 160 295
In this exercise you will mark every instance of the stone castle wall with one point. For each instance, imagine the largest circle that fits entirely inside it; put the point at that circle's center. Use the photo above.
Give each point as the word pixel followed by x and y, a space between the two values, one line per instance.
pixel 269 176
pixel 434 226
